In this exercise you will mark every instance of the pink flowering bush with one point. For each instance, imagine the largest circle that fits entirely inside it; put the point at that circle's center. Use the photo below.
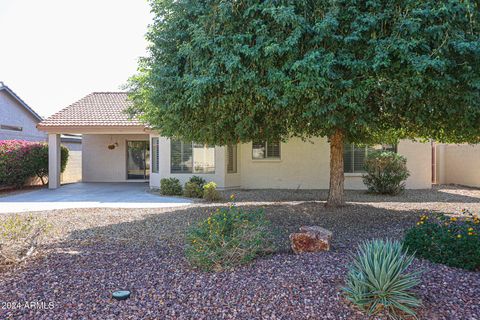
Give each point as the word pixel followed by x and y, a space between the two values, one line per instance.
pixel 21 160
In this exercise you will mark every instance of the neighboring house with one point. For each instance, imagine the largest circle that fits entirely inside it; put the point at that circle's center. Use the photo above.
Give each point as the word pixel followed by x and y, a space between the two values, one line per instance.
pixel 117 149
pixel 17 119
pixel 457 164
pixel 19 122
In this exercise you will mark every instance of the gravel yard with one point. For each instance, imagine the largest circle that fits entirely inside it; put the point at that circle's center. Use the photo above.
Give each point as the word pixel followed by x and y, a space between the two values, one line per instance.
pixel 92 252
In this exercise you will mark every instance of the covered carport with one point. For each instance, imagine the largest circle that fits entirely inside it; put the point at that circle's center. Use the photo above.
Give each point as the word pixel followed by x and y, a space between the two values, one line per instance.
pixel 115 148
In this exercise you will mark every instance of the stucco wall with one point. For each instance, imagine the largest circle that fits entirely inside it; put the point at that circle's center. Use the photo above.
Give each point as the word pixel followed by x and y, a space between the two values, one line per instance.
pixel 99 164
pixel 305 165
pixel 14 114
pixel 458 164
pixel 73 171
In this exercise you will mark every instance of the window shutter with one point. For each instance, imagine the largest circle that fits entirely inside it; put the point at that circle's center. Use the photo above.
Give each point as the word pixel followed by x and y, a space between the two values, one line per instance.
pixel 359 155
pixel 348 158
pixel 155 155
pixel 273 150
pixel 231 158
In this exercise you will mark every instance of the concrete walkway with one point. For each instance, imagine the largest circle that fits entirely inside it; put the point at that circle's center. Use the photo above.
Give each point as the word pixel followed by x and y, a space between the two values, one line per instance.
pixel 88 195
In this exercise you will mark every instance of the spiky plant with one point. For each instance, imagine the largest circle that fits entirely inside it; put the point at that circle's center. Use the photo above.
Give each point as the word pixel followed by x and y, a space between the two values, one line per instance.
pixel 377 280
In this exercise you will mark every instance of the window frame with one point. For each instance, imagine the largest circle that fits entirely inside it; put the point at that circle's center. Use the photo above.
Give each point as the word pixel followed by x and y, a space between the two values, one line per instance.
pixel 192 168
pixel 266 157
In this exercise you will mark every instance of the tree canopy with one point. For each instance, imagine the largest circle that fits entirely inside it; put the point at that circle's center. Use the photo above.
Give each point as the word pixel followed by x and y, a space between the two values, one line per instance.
pixel 223 71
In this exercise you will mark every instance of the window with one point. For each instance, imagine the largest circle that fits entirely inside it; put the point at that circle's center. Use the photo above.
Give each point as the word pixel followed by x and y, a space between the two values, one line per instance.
pixel 191 157
pixel 354 156
pixel 11 128
pixel 232 158
pixel 155 155
pixel 265 150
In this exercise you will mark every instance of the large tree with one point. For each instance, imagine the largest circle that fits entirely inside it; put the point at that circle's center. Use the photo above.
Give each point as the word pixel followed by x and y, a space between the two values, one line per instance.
pixel 223 72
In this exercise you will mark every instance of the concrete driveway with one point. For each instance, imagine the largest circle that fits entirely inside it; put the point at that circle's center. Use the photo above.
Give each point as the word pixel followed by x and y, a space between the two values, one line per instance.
pixel 89 195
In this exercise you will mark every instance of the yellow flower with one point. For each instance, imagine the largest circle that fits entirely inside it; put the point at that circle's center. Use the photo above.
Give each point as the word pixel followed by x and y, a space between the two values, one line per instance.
pixel 470 229
pixel 453 219
pixel 459 236
pixel 470 233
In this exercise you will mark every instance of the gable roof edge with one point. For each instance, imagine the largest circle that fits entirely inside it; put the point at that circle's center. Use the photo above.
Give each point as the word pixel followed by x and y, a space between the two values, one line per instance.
pixel 23 103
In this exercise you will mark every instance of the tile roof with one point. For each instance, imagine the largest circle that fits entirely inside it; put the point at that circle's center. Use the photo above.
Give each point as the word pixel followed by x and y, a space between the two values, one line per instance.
pixel 96 109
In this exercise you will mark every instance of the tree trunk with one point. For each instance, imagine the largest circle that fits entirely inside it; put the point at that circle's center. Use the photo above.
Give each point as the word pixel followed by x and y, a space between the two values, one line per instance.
pixel 335 195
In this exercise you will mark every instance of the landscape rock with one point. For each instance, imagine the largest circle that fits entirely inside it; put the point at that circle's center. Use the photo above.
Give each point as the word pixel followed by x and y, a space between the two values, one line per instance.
pixel 311 239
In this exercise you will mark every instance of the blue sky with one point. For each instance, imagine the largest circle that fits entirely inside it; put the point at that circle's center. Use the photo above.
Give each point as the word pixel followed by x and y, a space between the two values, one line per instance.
pixel 54 52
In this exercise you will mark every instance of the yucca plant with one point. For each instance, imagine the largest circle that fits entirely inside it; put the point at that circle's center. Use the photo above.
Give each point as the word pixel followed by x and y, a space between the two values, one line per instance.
pixel 377 280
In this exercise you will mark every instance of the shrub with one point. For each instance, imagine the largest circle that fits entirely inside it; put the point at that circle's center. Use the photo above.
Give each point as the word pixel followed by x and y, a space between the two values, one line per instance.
pixel 194 187
pixel 22 160
pixel 386 172
pixel 378 282
pixel 453 241
pixel 192 190
pixel 198 180
pixel 229 237
pixel 170 187
pixel 19 237
pixel 210 192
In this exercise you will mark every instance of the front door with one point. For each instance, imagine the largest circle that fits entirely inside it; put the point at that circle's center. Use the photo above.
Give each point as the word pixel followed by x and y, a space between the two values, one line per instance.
pixel 138 164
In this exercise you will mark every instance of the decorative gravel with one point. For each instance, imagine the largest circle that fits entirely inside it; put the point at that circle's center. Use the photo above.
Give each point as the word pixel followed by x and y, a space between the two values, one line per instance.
pixel 93 252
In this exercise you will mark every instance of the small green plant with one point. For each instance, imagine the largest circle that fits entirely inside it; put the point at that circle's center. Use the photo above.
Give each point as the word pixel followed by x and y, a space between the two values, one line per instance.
pixel 210 192
pixel 227 238
pixel 19 237
pixel 386 172
pixel 377 281
pixel 453 241
pixel 170 187
pixel 192 190
pixel 194 187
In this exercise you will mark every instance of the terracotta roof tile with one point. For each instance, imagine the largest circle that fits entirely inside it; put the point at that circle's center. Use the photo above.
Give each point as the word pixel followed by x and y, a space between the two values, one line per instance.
pixel 96 109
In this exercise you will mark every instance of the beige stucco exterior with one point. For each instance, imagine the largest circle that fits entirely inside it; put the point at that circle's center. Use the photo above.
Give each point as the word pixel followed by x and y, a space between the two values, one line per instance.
pixel 458 164
pixel 100 164
pixel 303 165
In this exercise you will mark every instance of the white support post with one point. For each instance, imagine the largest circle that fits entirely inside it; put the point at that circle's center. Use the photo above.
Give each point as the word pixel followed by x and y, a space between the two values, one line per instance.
pixel 53 161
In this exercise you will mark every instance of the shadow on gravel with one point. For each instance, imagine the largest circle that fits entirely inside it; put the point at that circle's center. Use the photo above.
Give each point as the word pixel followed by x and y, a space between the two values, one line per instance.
pixel 442 193
pixel 350 224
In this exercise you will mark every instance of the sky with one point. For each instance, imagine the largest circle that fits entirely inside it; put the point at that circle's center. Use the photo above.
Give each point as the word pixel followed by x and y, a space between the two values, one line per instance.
pixel 54 52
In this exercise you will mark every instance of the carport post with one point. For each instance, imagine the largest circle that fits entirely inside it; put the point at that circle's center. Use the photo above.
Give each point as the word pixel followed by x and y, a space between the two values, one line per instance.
pixel 53 161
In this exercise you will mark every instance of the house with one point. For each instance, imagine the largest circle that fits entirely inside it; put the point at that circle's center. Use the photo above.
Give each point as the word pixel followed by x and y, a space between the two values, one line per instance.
pixel 18 121
pixel 118 149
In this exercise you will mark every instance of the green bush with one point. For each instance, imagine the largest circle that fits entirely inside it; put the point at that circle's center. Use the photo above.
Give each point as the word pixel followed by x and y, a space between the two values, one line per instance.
pixel 378 282
pixel 194 187
pixel 170 187
pixel 386 172
pixel 192 190
pixel 22 160
pixel 210 192
pixel 454 241
pixel 198 180
pixel 229 237
pixel 19 237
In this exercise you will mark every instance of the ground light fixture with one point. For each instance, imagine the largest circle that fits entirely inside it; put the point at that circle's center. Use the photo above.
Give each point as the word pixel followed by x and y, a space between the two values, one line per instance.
pixel 121 295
